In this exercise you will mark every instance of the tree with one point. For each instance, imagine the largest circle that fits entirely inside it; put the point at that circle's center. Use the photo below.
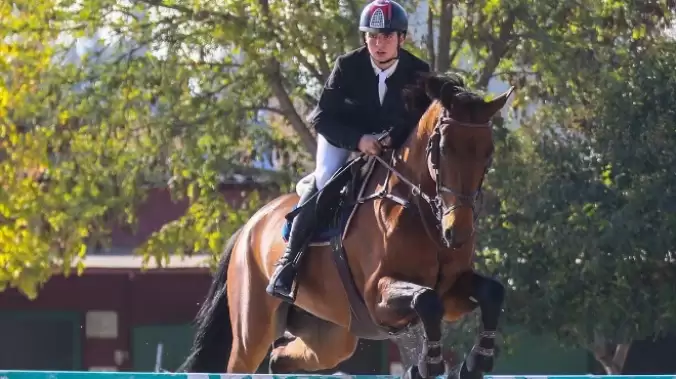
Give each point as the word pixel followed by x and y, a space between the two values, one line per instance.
pixel 84 140
pixel 187 92
pixel 581 228
pixel 553 53
pixel 526 42
pixel 183 93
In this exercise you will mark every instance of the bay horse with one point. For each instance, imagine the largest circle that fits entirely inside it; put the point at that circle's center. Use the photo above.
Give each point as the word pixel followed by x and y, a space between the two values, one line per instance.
pixel 401 256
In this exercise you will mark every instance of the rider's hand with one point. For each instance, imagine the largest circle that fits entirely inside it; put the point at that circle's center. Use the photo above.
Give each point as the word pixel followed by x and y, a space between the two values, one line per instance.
pixel 368 144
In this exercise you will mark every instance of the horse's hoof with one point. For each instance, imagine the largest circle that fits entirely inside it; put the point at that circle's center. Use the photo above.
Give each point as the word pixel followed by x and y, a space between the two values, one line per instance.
pixel 434 370
pixel 481 359
pixel 464 373
pixel 280 364
pixel 453 371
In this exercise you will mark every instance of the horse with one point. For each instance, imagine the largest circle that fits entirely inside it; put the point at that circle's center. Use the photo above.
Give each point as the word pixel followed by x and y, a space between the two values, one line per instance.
pixel 400 255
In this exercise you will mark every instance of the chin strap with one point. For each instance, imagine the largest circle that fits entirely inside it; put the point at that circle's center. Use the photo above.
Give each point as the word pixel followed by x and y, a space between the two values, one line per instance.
pixel 387 61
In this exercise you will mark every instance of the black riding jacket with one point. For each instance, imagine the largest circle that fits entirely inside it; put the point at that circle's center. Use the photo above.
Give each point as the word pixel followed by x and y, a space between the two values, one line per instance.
pixel 349 105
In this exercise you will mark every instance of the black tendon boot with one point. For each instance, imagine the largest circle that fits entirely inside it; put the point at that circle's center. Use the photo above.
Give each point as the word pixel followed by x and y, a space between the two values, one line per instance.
pixel 281 283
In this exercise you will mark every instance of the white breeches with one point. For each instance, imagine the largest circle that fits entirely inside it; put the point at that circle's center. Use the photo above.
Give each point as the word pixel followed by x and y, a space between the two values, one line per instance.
pixel 329 159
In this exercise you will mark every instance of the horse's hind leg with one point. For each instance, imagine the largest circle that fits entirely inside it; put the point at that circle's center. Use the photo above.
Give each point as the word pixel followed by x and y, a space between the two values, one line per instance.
pixel 253 316
pixel 319 345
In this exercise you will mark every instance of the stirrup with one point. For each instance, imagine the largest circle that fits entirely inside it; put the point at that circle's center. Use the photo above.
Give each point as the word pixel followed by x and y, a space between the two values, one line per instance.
pixel 287 298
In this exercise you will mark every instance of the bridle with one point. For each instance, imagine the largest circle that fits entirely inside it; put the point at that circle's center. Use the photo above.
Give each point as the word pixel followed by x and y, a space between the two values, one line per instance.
pixel 434 148
pixel 436 202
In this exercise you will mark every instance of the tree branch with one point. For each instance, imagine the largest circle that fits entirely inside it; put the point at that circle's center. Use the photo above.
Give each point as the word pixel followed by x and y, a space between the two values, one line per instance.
pixel 444 39
pixel 431 54
pixel 313 70
pixel 309 100
pixel 460 40
pixel 499 49
pixel 197 16
pixel 324 65
pixel 354 14
pixel 275 79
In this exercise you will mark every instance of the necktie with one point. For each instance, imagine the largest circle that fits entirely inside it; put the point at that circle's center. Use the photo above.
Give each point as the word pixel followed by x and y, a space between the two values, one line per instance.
pixel 382 88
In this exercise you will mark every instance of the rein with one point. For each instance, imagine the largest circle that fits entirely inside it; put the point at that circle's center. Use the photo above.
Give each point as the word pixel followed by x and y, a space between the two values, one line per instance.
pixel 436 202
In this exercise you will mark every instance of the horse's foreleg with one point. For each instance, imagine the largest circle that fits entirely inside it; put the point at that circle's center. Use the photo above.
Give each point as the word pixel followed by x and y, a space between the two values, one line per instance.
pixel 489 294
pixel 402 303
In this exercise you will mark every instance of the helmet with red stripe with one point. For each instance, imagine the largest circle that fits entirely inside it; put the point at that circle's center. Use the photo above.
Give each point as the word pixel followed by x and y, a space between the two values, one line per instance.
pixel 383 16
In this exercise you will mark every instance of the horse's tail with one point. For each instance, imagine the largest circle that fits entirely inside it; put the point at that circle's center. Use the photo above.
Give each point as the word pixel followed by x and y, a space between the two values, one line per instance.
pixel 213 338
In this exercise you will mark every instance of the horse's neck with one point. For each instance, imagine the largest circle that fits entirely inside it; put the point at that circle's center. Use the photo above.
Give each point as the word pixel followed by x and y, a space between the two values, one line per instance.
pixel 409 162
pixel 411 158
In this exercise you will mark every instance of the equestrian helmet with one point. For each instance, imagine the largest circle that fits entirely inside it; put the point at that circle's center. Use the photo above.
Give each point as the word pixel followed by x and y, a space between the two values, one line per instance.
pixel 383 16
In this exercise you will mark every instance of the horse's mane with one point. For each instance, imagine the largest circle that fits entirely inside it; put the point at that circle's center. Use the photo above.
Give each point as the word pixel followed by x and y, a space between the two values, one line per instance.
pixel 432 86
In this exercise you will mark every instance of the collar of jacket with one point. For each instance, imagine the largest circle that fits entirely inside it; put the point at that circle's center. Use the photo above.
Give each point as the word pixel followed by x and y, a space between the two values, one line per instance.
pixel 402 62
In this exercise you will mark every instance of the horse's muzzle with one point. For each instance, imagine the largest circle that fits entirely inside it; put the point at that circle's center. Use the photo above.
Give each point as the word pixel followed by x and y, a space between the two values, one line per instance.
pixel 456 237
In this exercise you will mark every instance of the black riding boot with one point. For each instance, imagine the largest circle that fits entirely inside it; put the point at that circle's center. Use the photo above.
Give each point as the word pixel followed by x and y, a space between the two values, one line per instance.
pixel 282 280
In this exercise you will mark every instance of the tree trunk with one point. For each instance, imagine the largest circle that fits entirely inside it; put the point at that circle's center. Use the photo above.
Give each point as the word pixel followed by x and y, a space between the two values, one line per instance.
pixel 443 62
pixel 429 38
pixel 612 362
pixel 355 38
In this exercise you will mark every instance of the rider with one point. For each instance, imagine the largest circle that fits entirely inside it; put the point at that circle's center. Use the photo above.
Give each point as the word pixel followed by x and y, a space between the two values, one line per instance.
pixel 361 99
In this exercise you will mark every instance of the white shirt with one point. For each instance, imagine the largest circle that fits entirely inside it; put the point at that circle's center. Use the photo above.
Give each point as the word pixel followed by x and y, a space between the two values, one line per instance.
pixel 382 75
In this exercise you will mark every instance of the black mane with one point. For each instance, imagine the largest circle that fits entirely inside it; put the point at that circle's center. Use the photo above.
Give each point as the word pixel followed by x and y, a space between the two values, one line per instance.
pixel 433 86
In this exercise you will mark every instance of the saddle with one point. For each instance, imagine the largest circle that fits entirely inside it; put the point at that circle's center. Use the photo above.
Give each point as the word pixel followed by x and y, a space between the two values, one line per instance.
pixel 337 202
pixel 338 198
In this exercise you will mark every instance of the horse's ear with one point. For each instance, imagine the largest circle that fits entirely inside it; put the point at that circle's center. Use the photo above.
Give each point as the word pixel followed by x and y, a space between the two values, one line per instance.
pixel 495 105
pixel 433 86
